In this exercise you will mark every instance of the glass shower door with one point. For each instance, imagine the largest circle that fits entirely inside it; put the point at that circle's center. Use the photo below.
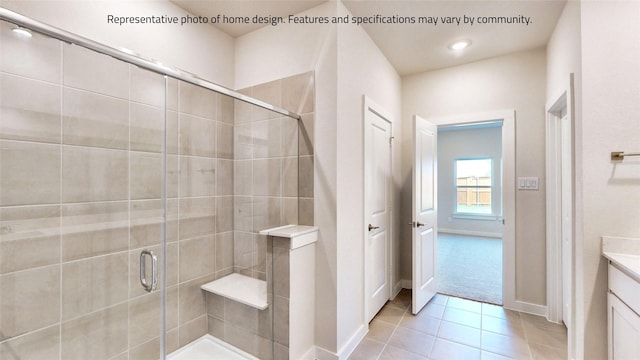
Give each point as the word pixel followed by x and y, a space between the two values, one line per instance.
pixel 123 192
pixel 81 198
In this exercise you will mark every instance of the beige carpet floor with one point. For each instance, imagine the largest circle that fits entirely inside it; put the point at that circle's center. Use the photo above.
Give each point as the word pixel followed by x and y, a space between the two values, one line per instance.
pixel 470 267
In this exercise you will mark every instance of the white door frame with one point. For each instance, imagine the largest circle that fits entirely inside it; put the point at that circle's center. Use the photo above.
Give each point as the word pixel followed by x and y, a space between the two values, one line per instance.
pixel 559 106
pixel 371 106
pixel 508 197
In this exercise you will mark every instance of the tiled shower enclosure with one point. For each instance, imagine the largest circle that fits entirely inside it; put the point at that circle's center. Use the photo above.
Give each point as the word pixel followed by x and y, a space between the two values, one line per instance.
pixel 95 154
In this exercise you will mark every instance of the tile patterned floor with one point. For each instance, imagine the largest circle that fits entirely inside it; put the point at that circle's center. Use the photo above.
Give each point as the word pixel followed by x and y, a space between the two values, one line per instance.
pixel 452 328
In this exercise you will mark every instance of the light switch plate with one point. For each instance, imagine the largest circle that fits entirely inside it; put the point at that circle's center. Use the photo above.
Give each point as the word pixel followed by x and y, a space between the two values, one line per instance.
pixel 528 183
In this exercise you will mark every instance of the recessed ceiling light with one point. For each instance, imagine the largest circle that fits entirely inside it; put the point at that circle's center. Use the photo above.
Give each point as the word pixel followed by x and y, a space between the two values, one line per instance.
pixel 459 45
pixel 22 32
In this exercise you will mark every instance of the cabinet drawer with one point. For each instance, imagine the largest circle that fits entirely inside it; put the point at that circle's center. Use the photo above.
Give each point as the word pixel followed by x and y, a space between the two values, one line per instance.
pixel 625 288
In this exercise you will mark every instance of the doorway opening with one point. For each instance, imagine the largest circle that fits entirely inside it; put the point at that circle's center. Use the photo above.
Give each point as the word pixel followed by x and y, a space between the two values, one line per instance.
pixel 470 211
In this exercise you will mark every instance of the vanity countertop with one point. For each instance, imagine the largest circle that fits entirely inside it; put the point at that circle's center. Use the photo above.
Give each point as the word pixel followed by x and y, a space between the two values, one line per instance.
pixel 624 253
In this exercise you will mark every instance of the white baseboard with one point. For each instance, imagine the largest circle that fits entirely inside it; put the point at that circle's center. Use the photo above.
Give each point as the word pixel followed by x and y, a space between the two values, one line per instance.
pixel 470 233
pixel 324 354
pixel 406 284
pixel 353 342
pixel 396 289
pixel 529 308
pixel 345 351
pixel 310 354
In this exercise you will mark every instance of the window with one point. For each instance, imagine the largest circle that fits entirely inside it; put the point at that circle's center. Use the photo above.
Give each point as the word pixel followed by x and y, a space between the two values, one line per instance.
pixel 473 186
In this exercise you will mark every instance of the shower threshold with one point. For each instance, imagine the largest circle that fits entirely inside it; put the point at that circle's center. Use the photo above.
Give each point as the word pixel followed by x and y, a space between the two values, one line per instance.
pixel 210 348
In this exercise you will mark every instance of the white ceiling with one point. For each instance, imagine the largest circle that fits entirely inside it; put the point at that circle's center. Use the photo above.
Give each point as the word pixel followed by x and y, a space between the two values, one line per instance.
pixel 249 8
pixel 414 48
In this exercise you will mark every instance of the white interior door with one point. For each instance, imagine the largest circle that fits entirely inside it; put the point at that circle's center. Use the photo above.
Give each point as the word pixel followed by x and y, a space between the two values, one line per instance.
pixel 377 208
pixel 424 219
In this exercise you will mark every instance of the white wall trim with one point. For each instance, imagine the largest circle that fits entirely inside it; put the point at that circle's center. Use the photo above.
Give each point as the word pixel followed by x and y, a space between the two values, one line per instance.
pixel 508 192
pixel 561 101
pixel 554 207
pixel 309 354
pixel 396 289
pixel 344 353
pixel 470 233
pixel 406 284
pixel 353 342
pixel 324 354
pixel 529 308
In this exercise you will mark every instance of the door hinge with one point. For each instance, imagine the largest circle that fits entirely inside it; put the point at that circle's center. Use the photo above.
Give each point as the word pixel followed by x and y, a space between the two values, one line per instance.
pixel 391 139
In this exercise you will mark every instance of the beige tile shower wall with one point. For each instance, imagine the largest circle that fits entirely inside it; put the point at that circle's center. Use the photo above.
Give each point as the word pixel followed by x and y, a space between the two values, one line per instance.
pixel 80 186
pixel 242 326
pixel 204 158
pixel 80 196
pixel 273 166
pixel 281 297
pixel 80 193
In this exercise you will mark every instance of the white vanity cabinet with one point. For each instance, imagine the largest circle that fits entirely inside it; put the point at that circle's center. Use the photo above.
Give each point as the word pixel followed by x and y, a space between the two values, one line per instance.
pixel 623 315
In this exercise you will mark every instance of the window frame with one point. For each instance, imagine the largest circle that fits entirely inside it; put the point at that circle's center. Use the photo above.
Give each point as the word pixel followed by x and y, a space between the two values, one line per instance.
pixel 467 214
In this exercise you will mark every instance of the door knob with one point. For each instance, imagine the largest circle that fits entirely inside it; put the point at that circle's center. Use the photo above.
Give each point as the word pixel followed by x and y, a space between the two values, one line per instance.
pixel 371 227
pixel 419 224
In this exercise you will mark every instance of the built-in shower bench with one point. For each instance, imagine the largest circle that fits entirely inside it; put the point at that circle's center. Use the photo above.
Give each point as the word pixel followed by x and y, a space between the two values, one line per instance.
pixel 292 291
pixel 241 288
pixel 253 292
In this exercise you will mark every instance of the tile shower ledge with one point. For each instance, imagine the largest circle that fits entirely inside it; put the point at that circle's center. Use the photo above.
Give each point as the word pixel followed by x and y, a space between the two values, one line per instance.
pixel 299 235
pixel 87 224
pixel 240 288
pixel 624 252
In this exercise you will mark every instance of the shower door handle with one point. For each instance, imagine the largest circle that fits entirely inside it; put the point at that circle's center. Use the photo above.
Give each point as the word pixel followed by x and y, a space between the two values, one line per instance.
pixel 154 270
